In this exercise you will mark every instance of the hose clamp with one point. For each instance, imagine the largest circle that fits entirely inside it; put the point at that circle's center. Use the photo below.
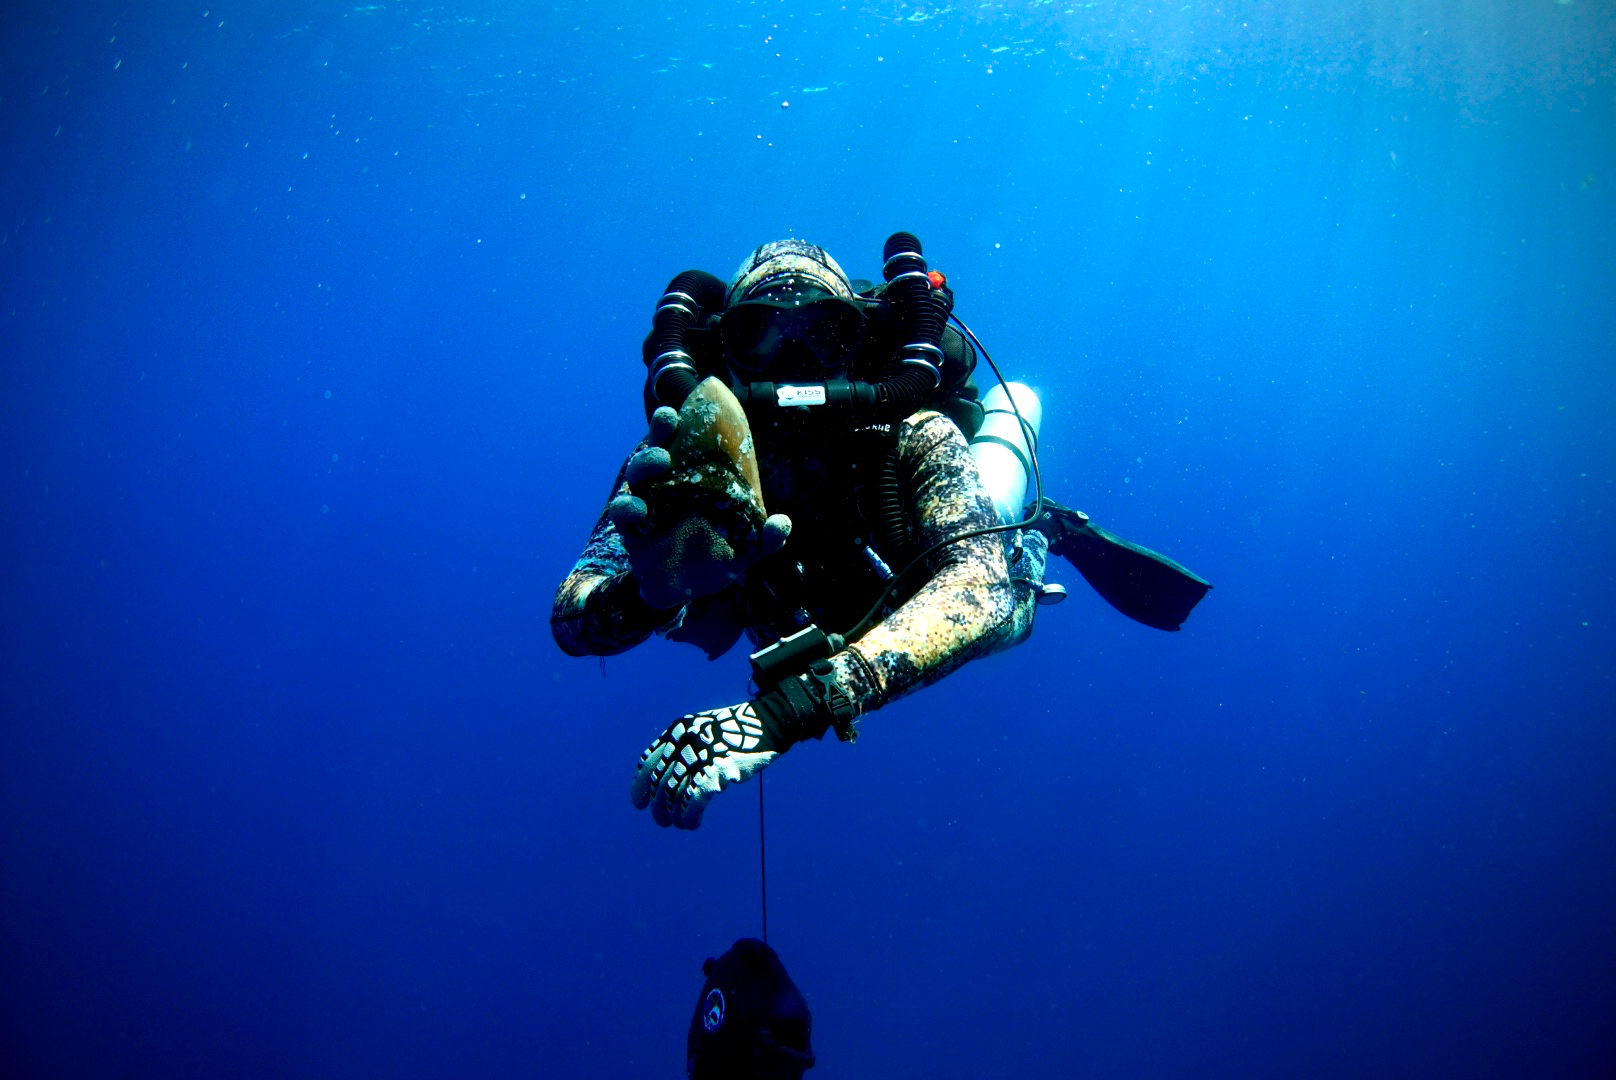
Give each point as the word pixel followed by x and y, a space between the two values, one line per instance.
pixel 904 258
pixel 679 301
pixel 919 355
pixel 672 358
pixel 665 362
pixel 924 278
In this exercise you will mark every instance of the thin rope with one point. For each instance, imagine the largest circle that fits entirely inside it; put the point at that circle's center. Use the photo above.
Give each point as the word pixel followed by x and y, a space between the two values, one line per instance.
pixel 763 862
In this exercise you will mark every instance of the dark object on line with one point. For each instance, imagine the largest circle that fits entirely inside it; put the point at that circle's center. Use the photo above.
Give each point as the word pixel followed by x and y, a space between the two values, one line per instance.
pixel 1143 585
pixel 751 1022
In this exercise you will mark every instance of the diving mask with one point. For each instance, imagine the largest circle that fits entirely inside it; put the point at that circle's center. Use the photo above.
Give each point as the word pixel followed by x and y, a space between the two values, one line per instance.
pixel 792 331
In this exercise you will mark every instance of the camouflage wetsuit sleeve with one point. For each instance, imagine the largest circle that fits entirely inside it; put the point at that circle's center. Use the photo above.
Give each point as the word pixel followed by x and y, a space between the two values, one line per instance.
pixel 969 607
pixel 598 610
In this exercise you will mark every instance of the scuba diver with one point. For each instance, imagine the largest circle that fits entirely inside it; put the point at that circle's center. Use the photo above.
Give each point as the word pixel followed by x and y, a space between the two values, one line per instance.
pixel 751 1022
pixel 894 545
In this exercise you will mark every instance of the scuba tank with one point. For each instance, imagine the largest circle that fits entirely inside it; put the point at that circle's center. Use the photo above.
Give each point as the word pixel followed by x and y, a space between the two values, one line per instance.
pixel 1005 445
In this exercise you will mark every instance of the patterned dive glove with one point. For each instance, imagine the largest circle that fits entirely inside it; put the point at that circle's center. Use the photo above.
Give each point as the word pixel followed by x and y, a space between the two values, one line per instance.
pixel 703 753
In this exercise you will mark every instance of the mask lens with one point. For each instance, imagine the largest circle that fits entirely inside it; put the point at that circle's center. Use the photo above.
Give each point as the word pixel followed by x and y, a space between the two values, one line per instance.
pixel 758 335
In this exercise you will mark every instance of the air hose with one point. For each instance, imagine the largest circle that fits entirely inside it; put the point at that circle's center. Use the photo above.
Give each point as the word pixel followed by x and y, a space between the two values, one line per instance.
pixel 671 371
pixel 921 312
pixel 891 526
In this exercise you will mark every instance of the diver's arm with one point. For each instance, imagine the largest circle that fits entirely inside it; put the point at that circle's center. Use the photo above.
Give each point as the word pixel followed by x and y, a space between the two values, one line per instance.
pixel 959 613
pixel 598 610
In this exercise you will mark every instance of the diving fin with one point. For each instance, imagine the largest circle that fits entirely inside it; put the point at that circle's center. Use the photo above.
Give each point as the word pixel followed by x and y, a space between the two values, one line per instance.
pixel 1143 585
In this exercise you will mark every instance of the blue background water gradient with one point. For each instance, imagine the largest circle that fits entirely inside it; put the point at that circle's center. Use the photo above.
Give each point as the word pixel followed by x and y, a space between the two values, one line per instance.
pixel 320 329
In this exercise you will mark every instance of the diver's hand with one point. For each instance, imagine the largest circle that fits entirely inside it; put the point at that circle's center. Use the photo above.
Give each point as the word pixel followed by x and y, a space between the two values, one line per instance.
pixel 704 752
pixel 651 462
pixel 679 556
pixel 698 757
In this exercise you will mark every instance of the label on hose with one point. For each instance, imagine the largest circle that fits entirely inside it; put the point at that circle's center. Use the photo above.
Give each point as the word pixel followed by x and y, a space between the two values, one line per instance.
pixel 799 395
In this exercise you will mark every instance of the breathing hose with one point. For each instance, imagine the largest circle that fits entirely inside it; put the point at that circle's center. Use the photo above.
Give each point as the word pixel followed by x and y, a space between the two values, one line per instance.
pixel 671 370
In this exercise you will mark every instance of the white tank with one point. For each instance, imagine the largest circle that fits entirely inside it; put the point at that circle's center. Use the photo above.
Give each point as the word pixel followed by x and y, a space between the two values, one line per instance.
pixel 1001 451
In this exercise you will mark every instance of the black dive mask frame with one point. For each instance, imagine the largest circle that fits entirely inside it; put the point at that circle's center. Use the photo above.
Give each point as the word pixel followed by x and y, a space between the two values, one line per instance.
pixel 792 338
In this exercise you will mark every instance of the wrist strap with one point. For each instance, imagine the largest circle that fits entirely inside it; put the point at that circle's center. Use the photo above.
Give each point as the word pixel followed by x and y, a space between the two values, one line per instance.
pixel 789 714
pixel 805 707
pixel 837 703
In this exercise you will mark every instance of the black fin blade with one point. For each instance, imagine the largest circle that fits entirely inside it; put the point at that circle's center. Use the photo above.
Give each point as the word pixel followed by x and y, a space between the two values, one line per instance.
pixel 1145 586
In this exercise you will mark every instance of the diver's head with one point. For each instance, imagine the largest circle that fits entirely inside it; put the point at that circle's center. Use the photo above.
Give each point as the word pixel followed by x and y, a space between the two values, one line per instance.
pixel 751 1022
pixel 789 315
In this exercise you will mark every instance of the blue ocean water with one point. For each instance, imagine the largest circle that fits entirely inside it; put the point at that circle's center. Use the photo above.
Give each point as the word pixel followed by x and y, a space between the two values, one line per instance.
pixel 320 328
